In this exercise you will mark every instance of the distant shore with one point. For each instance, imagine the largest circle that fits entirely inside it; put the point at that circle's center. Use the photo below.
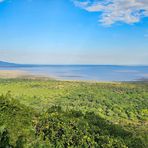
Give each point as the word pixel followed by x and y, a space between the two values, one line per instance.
pixel 20 74
pixel 12 74
pixel 80 73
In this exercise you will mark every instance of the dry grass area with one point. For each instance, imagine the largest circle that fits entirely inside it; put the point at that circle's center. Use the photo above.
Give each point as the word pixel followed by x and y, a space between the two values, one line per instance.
pixel 12 74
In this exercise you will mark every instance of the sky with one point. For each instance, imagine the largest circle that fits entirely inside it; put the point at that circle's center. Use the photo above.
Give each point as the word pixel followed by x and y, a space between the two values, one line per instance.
pixel 74 31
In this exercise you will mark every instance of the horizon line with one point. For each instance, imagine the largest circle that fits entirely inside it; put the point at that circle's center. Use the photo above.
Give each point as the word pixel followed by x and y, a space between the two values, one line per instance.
pixel 59 64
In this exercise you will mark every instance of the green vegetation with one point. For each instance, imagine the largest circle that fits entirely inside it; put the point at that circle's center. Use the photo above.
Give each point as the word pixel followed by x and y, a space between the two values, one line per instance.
pixel 40 114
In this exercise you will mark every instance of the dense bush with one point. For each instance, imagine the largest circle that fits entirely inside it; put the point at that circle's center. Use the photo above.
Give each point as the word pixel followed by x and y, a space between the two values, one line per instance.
pixel 4 138
pixel 15 121
pixel 74 129
pixel 40 114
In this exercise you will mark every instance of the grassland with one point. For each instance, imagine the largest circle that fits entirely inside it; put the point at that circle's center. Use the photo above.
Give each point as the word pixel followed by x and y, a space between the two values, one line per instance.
pixel 50 113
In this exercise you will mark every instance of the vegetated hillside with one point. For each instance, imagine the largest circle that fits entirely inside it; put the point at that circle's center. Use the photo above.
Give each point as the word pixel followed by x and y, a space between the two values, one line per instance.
pixel 38 113
pixel 15 118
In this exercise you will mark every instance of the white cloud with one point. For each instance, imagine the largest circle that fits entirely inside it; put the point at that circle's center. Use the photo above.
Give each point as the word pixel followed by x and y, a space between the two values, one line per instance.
pixel 112 11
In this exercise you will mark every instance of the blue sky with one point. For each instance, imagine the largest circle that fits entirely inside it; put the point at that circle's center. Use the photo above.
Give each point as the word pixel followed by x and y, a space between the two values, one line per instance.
pixel 74 32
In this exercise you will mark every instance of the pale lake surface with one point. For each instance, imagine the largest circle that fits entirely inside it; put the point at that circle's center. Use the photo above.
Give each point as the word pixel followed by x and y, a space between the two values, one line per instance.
pixel 86 72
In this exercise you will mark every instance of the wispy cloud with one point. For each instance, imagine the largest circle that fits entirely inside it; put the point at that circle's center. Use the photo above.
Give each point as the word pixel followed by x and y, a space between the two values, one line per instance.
pixel 112 11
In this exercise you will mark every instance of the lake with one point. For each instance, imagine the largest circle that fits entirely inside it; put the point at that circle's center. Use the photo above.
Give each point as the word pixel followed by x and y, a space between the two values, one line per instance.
pixel 86 72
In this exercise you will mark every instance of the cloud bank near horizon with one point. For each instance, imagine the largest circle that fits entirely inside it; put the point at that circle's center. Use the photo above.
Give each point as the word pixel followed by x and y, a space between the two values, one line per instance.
pixel 112 11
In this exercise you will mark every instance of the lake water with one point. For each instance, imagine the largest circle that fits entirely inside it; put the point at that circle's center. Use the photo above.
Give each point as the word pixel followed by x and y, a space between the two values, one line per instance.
pixel 86 72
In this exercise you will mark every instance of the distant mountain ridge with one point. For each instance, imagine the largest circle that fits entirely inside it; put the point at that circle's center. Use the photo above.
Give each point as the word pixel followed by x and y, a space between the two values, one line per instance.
pixel 2 63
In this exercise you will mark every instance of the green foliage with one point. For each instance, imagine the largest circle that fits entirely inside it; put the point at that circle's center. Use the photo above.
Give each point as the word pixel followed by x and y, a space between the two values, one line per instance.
pixel 16 118
pixel 75 129
pixel 4 139
pixel 40 114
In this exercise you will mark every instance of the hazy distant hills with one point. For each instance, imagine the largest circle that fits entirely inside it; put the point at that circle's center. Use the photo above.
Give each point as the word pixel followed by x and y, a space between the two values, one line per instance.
pixel 9 64
pixel 3 64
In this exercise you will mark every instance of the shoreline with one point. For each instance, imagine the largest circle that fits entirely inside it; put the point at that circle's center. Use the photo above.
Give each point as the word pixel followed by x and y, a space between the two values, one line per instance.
pixel 14 74
pixel 21 74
